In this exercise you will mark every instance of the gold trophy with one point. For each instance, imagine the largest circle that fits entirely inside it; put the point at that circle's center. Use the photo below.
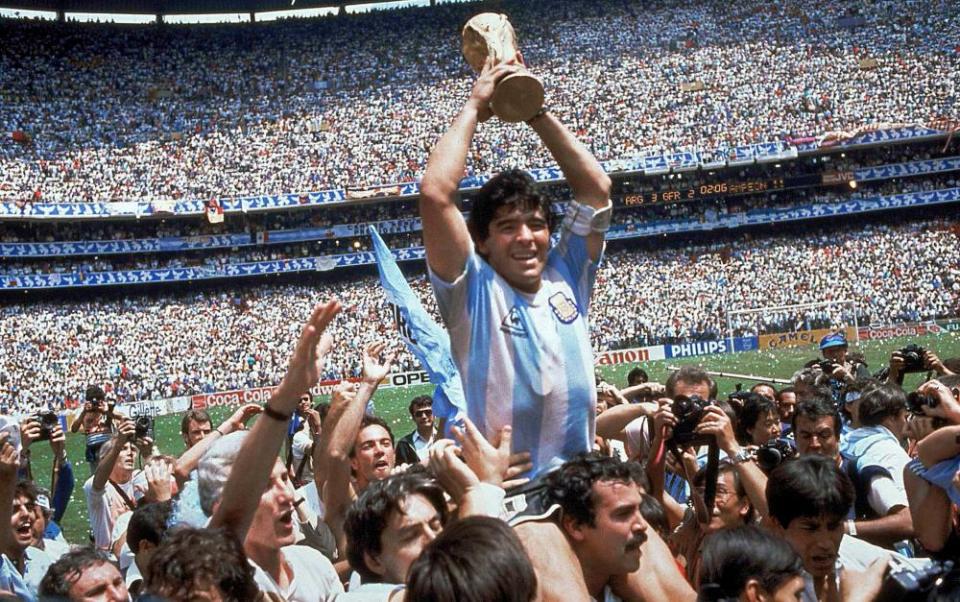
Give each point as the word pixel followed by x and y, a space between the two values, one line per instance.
pixel 519 96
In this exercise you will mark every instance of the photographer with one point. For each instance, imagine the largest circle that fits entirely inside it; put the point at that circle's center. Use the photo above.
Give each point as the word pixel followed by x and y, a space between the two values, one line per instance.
pixel 877 459
pixel 96 419
pixel 933 480
pixel 912 359
pixel 42 428
pixel 116 485
pixel 837 364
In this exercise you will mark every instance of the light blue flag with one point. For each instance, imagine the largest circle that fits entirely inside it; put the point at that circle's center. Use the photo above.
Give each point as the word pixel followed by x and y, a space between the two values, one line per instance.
pixel 424 337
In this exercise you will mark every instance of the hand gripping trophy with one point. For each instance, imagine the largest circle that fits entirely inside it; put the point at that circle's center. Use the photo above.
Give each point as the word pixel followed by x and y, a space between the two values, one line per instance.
pixel 519 96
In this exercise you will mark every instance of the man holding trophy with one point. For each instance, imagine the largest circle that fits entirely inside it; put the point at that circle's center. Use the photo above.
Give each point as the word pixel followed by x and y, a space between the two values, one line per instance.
pixel 515 308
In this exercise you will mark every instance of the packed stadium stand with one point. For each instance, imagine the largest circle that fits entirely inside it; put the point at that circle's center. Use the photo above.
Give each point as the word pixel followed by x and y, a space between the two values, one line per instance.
pixel 298 151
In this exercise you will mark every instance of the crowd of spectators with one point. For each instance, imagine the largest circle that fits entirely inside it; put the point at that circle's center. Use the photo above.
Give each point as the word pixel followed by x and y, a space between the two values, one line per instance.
pixel 155 346
pixel 124 113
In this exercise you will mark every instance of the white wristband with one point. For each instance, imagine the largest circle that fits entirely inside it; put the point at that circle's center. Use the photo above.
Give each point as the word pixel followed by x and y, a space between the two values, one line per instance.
pixel 583 220
pixel 852 528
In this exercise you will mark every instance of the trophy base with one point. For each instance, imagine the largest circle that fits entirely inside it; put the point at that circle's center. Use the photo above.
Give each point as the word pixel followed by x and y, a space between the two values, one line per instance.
pixel 517 98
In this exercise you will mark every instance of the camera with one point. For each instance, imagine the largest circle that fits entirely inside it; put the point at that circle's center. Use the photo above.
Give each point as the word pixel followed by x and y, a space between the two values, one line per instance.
pixel 907 583
pixel 775 452
pixel 912 356
pixel 827 366
pixel 916 401
pixel 688 411
pixel 48 421
pixel 143 426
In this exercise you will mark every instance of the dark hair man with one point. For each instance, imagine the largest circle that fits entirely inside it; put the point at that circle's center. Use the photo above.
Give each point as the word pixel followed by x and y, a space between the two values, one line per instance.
pixel 637 376
pixel 877 459
pixel 21 566
pixel 808 499
pixel 206 564
pixel 816 428
pixel 748 563
pixel 764 390
pixel 84 574
pixel 145 531
pixel 599 499
pixel 476 559
pixel 388 526
pixel 413 447
pixel 786 403
pixel 96 419
pixel 194 426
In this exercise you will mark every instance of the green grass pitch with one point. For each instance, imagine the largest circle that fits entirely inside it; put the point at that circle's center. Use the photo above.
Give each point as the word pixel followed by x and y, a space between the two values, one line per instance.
pixel 391 404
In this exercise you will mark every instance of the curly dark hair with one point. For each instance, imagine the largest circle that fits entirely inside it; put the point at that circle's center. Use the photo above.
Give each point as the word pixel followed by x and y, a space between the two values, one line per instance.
pixel 190 559
pixel 63 573
pixel 510 188
pixel 571 486
pixel 368 516
pixel 477 559
pixel 731 557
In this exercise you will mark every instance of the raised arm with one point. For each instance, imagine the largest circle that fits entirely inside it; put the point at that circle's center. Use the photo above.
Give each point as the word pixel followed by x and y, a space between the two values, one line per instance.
pixel 337 440
pixel 126 431
pixel 9 462
pixel 257 456
pixel 590 184
pixel 612 423
pixel 189 460
pixel 445 234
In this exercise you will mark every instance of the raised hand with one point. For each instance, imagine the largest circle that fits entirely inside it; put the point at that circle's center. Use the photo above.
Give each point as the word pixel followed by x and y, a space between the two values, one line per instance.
pixel 375 370
pixel 305 364
pixel 238 421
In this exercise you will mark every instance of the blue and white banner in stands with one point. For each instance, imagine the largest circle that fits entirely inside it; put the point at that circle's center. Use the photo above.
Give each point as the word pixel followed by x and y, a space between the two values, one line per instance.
pixel 651 165
pixel 757 216
pixel 711 347
pixel 913 168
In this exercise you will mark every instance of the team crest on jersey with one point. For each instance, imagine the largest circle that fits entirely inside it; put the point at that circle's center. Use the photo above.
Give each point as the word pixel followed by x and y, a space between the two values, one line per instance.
pixel 564 308
pixel 513 324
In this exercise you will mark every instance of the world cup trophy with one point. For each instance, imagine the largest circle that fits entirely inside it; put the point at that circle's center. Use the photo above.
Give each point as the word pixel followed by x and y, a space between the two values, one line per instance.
pixel 519 96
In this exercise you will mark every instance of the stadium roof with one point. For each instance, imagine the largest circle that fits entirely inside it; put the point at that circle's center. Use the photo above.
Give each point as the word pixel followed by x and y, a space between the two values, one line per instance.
pixel 173 7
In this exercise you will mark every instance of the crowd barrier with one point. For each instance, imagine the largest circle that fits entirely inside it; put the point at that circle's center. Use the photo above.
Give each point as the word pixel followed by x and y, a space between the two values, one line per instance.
pixel 765 152
pixel 330 262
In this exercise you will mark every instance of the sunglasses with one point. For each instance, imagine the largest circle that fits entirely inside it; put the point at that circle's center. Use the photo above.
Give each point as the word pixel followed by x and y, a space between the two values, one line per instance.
pixel 419 413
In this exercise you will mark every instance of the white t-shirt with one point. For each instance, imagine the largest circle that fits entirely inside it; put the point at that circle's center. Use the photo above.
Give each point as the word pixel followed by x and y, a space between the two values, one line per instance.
pixel 302 445
pixel 369 592
pixel 314 578
pixel 106 506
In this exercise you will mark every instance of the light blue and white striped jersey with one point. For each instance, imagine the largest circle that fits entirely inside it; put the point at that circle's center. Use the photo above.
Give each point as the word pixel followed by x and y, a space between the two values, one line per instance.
pixel 525 359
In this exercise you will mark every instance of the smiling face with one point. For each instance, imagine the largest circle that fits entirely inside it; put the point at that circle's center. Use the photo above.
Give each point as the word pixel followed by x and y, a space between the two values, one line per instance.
pixel 517 246
pixel 817 540
pixel 619 530
pixel 373 457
